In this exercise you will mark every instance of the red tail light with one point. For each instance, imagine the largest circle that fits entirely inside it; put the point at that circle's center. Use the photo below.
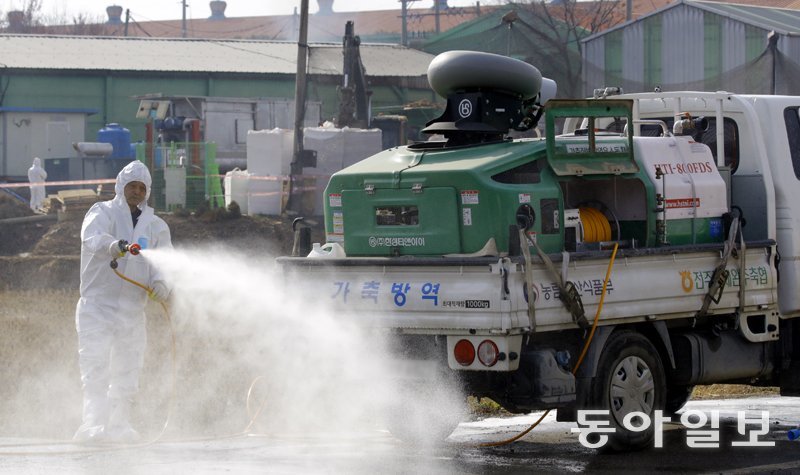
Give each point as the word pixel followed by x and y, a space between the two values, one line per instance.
pixel 464 352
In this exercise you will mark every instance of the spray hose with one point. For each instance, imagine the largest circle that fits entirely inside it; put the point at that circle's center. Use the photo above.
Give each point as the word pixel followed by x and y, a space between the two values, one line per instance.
pixel 584 351
pixel 134 249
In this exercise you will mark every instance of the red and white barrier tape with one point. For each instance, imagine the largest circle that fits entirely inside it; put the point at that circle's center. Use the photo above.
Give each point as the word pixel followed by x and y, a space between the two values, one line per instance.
pixel 60 183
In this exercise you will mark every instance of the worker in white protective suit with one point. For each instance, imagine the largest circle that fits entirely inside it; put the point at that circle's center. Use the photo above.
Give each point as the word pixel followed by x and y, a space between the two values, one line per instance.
pixel 110 314
pixel 37 176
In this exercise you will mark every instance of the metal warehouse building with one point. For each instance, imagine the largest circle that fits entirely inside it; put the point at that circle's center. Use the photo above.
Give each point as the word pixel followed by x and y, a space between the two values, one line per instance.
pixel 699 45
pixel 99 77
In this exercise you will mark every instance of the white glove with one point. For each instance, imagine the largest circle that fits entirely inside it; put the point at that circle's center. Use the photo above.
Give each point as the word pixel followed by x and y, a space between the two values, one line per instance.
pixel 115 250
pixel 160 292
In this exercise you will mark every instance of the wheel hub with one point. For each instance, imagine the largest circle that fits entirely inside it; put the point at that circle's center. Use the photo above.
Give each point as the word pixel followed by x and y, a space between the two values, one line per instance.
pixel 632 388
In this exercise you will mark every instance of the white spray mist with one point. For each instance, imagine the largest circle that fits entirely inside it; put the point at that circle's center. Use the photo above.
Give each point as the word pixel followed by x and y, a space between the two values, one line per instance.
pixel 321 372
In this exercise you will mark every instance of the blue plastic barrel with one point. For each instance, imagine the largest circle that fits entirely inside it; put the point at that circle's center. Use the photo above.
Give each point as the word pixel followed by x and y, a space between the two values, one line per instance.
pixel 119 137
pixel 794 434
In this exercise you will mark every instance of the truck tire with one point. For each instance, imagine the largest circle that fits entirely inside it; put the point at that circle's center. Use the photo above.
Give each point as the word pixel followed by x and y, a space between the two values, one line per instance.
pixel 677 397
pixel 630 378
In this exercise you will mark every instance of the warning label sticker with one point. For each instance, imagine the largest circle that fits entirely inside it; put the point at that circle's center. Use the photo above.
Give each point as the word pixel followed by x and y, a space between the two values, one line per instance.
pixel 469 197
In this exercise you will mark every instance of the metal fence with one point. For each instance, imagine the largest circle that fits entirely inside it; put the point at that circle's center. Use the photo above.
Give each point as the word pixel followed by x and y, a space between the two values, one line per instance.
pixel 185 175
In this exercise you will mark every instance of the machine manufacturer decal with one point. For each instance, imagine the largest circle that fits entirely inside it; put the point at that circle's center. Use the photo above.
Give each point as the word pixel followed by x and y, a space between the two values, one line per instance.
pixel 683 203
pixel 687 284
pixel 335 200
pixel 683 168
pixel 338 222
pixel 466 215
pixel 407 241
pixel 599 148
pixel 524 198
pixel 465 108
pixel 753 276
pixel 593 287
pixel 469 197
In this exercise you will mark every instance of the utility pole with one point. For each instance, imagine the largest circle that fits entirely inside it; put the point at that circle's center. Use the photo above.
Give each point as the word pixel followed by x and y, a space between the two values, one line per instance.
pixel 127 20
pixel 298 159
pixel 404 16
pixel 629 11
pixel 436 14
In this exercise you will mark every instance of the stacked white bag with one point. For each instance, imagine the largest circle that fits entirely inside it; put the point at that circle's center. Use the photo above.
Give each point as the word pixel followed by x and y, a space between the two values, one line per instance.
pixel 269 155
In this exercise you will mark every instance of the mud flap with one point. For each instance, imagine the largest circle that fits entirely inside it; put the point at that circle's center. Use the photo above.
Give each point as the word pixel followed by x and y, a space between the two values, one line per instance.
pixel 790 379
pixel 790 369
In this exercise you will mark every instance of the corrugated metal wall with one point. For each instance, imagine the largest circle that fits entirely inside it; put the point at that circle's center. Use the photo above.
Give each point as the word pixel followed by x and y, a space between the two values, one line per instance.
pixel 594 64
pixel 633 52
pixel 685 47
pixel 682 52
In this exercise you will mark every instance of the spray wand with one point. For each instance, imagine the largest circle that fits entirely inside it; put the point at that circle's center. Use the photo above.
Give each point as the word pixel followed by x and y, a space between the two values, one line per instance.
pixel 135 250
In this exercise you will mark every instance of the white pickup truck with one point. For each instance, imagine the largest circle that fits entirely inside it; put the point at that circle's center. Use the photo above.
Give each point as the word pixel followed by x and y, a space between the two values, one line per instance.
pixel 691 201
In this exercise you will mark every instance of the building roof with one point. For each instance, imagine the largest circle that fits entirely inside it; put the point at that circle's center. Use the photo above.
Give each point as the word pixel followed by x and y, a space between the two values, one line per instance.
pixel 519 36
pixel 42 52
pixel 379 25
pixel 785 21
pixel 371 26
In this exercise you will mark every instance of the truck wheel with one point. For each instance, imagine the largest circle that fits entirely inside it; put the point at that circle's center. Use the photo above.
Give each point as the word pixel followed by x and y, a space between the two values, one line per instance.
pixel 677 397
pixel 630 378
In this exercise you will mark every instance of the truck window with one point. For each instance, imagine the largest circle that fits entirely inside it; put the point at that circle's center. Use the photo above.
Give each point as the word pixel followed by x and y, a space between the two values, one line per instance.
pixel 792 119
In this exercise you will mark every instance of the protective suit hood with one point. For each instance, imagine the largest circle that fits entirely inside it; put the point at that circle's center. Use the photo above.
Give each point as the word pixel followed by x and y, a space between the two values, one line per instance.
pixel 37 162
pixel 134 171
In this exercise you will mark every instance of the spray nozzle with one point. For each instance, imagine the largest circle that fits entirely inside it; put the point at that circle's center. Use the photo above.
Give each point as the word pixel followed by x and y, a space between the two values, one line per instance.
pixel 124 247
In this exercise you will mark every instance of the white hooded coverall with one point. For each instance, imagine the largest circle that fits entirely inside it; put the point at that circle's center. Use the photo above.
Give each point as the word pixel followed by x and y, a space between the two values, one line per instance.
pixel 110 316
pixel 37 176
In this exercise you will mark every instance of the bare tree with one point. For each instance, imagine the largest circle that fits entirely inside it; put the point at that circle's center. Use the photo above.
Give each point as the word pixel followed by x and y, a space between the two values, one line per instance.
pixel 560 27
pixel 30 19
pixel 32 11
pixel 22 20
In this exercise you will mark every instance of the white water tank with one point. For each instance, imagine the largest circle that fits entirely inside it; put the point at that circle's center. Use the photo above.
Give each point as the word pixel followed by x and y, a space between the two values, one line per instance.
pixel 691 182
